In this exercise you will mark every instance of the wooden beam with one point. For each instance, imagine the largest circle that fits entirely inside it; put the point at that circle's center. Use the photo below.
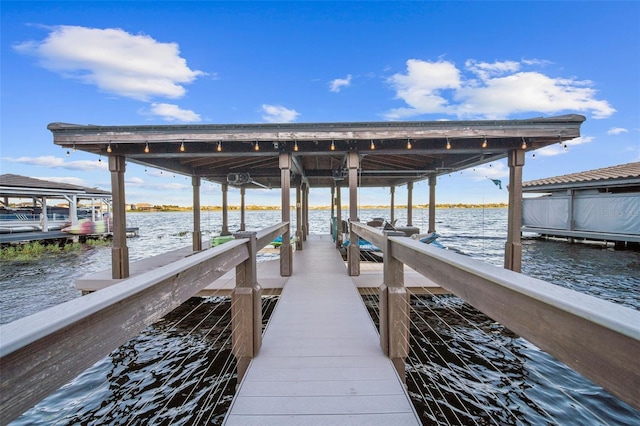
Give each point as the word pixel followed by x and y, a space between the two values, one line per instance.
pixel 119 249
pixel 286 251
pixel 197 233
pixel 513 246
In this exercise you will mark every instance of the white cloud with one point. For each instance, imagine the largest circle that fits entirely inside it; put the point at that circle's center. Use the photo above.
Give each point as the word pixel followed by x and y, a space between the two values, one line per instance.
pixel 422 86
pixel 134 66
pixel 170 112
pixel 490 90
pixel 616 131
pixel 337 84
pixel 52 162
pixel 562 148
pixel 278 114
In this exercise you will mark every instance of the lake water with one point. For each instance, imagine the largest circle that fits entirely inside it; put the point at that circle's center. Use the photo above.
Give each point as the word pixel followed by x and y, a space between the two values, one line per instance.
pixel 475 370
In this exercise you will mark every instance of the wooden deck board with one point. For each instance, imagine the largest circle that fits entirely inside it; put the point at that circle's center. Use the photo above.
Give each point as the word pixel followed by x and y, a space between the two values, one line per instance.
pixel 320 361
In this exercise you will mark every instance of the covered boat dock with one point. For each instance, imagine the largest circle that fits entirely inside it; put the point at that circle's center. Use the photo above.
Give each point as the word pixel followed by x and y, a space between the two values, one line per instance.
pixel 601 205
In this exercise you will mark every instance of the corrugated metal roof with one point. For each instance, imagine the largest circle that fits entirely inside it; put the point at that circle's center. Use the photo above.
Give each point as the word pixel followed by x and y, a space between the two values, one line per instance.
pixel 17 182
pixel 622 174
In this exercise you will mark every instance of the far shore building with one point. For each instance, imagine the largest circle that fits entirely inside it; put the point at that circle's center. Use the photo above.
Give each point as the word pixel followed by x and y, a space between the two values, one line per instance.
pixel 595 205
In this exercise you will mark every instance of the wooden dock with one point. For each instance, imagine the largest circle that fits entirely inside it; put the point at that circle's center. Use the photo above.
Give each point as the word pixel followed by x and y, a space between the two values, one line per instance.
pixel 321 360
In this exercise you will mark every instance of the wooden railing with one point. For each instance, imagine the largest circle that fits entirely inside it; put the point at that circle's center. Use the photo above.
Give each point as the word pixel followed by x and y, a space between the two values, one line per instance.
pixel 597 338
pixel 41 352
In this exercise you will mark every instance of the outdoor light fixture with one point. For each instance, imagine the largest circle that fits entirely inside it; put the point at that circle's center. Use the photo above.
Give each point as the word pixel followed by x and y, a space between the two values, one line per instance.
pixel 373 145
pixel 448 144
pixel 219 147
pixel 182 146
pixel 409 146
pixel 295 146
pixel 109 148
pixel 484 142
pixel 524 143
pixel 146 148
pixel 333 146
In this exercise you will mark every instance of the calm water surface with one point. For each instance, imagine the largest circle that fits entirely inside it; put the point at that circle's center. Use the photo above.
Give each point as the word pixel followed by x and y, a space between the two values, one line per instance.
pixel 180 371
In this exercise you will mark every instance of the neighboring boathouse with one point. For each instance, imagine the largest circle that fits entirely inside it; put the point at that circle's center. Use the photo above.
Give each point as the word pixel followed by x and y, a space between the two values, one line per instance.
pixel 601 205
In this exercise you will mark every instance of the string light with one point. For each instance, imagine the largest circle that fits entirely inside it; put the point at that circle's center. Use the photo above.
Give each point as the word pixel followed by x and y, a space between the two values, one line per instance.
pixel 448 144
pixel 409 146
pixel 484 142
pixel 295 146
pixel 333 146
pixel 182 146
pixel 256 146
pixel 146 148
pixel 524 143
pixel 219 147
pixel 373 145
pixel 109 148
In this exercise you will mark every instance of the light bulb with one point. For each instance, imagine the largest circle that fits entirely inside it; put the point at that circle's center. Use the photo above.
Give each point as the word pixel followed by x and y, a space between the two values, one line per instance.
pixel 219 147
pixel 484 143
pixel 295 146
pixel 333 146
pixel 409 146
pixel 146 148
pixel 182 147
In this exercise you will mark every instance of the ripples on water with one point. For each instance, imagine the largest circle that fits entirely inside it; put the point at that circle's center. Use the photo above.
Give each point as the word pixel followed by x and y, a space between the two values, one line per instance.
pixel 477 371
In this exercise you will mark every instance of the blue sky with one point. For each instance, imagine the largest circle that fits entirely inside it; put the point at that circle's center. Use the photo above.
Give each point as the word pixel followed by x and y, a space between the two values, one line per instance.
pixel 112 63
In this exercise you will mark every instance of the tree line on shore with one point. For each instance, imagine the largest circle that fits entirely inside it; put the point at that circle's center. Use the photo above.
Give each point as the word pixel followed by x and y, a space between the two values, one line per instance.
pixel 173 208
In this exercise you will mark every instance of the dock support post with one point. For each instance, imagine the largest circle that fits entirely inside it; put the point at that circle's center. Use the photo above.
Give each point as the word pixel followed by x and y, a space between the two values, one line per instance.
pixel 44 221
pixel 432 203
pixel 299 217
pixel 353 252
pixel 394 309
pixel 119 249
pixel 338 215
pixel 246 308
pixel 392 213
pixel 513 246
pixel 409 203
pixel 225 212
pixel 242 207
pixel 197 233
pixel 333 204
pixel 286 251
pixel 305 211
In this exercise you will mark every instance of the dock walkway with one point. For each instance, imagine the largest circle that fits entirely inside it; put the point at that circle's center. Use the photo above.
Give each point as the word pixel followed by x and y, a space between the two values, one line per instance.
pixel 321 361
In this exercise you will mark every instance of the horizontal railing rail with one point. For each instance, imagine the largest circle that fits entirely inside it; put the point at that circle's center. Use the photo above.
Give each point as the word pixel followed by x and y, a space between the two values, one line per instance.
pixel 43 351
pixel 597 338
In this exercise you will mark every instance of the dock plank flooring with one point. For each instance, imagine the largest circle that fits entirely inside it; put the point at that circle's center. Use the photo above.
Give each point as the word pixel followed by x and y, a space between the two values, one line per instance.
pixel 321 361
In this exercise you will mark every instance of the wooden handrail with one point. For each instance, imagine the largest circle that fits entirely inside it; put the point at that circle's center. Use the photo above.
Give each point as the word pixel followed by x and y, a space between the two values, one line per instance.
pixel 595 337
pixel 41 352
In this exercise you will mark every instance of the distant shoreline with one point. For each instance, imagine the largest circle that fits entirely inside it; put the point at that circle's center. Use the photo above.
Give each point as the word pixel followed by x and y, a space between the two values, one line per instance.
pixel 166 208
